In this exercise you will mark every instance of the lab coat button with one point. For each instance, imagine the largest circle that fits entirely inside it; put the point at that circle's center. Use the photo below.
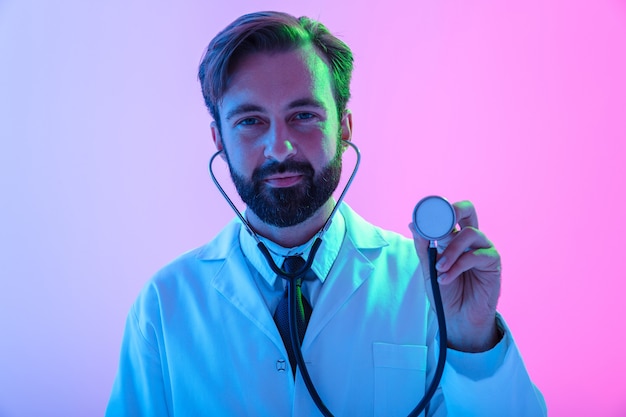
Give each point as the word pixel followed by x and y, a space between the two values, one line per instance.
pixel 281 365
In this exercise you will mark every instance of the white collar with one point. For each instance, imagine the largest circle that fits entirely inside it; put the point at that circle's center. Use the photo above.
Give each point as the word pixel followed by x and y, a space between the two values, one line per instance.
pixel 326 255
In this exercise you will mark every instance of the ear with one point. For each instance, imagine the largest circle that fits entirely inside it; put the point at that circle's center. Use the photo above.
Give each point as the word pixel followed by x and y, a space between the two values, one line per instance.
pixel 217 139
pixel 346 125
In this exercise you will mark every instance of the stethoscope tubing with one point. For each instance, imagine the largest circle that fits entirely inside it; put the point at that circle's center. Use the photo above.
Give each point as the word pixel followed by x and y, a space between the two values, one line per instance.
pixel 297 350
pixel 293 276
pixel 251 232
pixel 443 333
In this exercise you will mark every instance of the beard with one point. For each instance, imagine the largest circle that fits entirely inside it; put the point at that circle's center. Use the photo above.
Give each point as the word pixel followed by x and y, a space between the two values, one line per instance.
pixel 288 206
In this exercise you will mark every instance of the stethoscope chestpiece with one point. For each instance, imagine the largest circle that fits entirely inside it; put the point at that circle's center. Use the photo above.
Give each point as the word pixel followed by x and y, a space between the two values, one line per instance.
pixel 434 218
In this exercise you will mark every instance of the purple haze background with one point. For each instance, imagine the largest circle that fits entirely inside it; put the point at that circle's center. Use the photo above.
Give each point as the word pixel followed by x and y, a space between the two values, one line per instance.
pixel 104 139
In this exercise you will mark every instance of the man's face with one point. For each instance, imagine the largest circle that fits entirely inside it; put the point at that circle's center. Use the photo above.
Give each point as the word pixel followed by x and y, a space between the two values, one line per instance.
pixel 281 134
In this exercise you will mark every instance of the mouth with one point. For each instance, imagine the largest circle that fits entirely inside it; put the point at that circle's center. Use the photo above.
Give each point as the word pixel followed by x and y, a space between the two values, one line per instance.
pixel 283 180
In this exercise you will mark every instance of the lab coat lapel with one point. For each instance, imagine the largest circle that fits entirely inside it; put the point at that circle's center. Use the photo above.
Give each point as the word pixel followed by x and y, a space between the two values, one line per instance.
pixel 236 284
pixel 350 271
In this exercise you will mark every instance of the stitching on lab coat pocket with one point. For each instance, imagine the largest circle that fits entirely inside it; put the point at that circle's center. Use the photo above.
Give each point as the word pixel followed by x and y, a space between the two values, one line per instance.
pixel 387 355
pixel 399 377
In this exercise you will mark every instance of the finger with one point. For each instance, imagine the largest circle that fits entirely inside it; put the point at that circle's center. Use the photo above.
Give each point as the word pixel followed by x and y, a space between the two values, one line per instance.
pixel 442 244
pixel 466 214
pixel 466 239
pixel 486 261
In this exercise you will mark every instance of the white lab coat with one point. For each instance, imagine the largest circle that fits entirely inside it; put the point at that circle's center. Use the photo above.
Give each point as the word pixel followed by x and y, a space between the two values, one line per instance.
pixel 200 341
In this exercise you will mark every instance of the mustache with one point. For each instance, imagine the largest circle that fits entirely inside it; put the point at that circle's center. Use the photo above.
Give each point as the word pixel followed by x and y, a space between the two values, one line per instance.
pixel 270 168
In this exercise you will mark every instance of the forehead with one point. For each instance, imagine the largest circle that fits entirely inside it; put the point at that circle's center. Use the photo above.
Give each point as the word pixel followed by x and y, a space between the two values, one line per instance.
pixel 280 75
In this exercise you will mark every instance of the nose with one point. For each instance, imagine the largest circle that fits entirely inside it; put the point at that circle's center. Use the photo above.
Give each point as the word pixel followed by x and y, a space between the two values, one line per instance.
pixel 278 146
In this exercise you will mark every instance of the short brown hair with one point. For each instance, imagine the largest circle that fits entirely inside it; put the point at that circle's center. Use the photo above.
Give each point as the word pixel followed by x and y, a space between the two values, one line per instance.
pixel 265 32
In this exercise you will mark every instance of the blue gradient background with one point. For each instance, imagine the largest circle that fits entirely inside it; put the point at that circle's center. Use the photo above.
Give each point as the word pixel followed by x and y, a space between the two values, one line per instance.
pixel 104 140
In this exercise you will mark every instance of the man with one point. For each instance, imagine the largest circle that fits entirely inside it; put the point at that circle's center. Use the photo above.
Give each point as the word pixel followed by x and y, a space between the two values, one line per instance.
pixel 201 338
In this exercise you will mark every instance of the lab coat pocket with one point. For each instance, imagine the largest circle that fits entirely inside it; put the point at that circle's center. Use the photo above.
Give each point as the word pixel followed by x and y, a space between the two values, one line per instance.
pixel 399 378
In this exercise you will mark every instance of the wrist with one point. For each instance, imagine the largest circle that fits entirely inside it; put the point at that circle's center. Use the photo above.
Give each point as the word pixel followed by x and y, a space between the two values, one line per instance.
pixel 474 339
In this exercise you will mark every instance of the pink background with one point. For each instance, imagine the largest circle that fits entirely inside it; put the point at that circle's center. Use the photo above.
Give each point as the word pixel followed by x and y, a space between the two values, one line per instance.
pixel 517 106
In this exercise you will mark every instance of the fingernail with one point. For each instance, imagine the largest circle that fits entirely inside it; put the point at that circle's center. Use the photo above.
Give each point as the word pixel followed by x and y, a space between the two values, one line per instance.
pixel 440 264
pixel 442 277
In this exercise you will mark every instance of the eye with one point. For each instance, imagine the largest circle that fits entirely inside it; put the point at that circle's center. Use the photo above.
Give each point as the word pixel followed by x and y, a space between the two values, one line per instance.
pixel 248 121
pixel 304 116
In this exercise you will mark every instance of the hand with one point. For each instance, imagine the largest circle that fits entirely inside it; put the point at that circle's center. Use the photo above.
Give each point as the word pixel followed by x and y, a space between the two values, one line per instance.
pixel 469 278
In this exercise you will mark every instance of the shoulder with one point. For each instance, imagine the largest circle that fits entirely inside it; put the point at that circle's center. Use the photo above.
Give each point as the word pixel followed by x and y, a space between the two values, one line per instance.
pixel 214 251
pixel 367 238
pixel 193 269
pixel 368 234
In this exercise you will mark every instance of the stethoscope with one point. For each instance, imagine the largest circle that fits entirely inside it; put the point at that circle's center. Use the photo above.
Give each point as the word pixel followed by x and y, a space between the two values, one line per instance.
pixel 434 219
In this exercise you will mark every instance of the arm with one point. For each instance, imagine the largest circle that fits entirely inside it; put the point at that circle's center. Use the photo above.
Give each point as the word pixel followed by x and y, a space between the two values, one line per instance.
pixel 487 384
pixel 138 389
pixel 484 374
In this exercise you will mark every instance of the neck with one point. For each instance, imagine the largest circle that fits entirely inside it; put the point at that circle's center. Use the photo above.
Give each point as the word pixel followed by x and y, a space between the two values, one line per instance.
pixel 289 237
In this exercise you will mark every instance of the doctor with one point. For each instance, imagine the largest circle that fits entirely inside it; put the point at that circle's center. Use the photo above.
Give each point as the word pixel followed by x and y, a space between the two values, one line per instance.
pixel 201 338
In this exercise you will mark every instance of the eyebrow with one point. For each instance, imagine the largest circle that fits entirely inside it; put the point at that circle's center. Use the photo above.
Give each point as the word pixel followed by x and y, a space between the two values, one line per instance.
pixel 243 108
pixel 249 108
pixel 306 102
